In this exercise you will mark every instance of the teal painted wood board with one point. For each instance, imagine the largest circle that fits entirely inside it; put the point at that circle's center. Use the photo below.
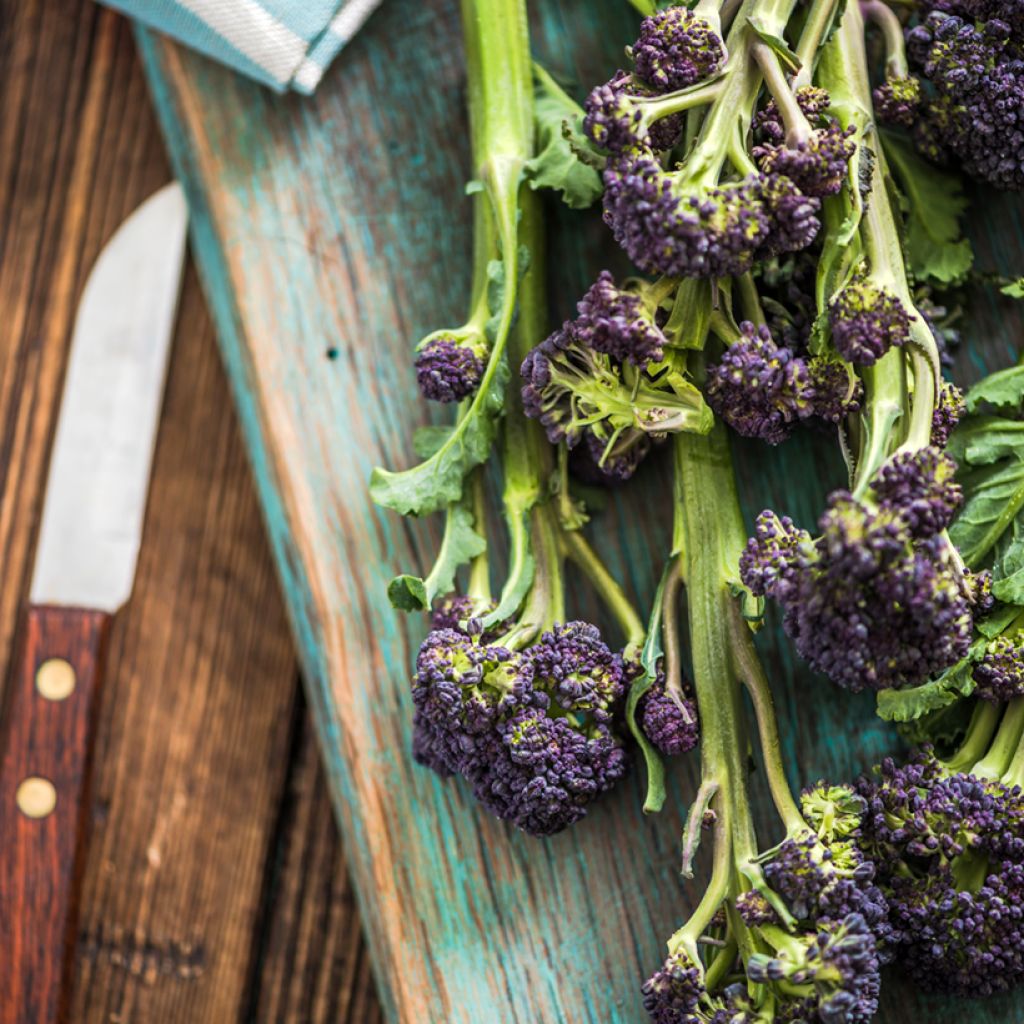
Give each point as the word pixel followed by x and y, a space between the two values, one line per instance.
pixel 330 234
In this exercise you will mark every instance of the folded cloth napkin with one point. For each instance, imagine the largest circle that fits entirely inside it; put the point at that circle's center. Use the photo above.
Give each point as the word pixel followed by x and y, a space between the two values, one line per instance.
pixel 286 44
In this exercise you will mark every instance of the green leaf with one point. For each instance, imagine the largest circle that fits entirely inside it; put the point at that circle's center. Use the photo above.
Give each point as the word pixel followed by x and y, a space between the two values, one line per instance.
pixel 558 120
pixel 1015 289
pixel 995 622
pixel 1003 390
pixel 650 657
pixel 991 457
pixel 428 440
pixel 776 43
pixel 910 704
pixel 437 481
pixel 408 594
pixel 1008 567
pixel 460 544
pixel 933 202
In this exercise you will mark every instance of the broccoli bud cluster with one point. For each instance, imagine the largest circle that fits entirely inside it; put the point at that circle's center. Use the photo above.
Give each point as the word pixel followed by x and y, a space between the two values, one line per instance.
pixel 950 854
pixel 536 733
pixel 878 599
pixel 762 389
pixel 972 56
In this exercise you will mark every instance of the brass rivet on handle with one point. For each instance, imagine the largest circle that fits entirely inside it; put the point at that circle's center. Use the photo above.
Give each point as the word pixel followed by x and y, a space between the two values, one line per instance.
pixel 36 797
pixel 55 679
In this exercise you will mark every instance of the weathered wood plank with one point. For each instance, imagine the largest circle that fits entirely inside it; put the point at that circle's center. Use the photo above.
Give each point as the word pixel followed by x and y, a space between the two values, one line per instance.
pixel 312 965
pixel 199 719
pixel 339 223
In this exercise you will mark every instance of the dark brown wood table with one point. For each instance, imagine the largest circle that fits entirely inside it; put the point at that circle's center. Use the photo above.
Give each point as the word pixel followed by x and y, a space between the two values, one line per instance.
pixel 215 889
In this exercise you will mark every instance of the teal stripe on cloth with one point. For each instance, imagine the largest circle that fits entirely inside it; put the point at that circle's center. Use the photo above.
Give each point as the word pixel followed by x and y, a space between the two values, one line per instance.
pixel 285 44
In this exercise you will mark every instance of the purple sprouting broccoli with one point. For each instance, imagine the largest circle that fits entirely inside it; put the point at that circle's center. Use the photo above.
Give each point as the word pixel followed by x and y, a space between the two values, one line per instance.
pixel 972 62
pixel 829 973
pixel 796 932
pixel 879 599
pixel 762 389
pixel 678 47
pixel 804 143
pixel 867 319
pixel 674 993
pixel 948 844
pixel 576 393
pixel 922 486
pixel 619 323
pixel 949 409
pixel 535 731
pixel 668 721
pixel 672 225
pixel 999 674
pixel 624 116
pixel 449 367
pixel 897 100
pixel 759 388
pixel 595 462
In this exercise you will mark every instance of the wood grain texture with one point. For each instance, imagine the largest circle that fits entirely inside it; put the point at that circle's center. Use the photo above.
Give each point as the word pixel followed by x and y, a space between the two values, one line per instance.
pixel 199 751
pixel 46 740
pixel 340 224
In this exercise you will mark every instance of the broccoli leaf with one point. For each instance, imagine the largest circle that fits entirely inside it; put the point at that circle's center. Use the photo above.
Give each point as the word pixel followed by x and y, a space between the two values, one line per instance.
pixel 427 440
pixel 1008 568
pixel 437 481
pixel 1015 289
pixel 907 705
pixel 557 166
pixel 650 658
pixel 994 623
pixel 933 203
pixel 1003 390
pixel 460 544
pixel 991 457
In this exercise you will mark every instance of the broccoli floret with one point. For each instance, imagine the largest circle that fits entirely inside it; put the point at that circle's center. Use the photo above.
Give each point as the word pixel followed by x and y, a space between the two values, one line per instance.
pixel 879 599
pixel 866 320
pixel 949 410
pixel 448 368
pixel 898 100
pixel 669 722
pixel 999 674
pixel 950 855
pixel 759 388
pixel 973 65
pixel 534 731
pixel 677 47
pixel 616 322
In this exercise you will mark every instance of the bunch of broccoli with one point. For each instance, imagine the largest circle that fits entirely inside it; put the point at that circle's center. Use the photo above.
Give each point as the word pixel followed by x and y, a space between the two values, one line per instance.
pixel 770 166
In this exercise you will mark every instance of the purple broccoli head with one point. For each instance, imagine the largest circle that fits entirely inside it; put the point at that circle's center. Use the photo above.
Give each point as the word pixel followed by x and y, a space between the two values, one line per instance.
pixel 897 100
pixel 758 388
pixel 866 321
pixel 670 723
pixel 999 675
pixel 676 49
pixel 447 370
pixel 617 323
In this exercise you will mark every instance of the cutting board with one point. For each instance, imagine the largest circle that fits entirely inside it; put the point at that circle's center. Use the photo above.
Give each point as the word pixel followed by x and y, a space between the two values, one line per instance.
pixel 330 234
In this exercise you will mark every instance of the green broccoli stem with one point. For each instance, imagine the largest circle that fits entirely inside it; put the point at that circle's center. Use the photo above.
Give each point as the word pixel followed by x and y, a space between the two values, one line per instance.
pixel 998 758
pixel 885 18
pixel 714 536
pixel 980 731
pixel 723 133
pixel 479 584
pixel 819 18
pixel 798 128
pixel 885 383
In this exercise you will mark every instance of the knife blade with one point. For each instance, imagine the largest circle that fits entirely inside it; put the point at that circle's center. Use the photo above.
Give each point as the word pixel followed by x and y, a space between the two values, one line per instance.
pixel 86 555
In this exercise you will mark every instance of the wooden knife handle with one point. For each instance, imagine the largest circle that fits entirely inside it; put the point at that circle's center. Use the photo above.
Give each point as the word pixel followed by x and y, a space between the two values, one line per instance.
pixel 44 810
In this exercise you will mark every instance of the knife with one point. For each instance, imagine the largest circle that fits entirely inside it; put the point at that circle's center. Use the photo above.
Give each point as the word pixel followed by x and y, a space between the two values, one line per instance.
pixel 85 562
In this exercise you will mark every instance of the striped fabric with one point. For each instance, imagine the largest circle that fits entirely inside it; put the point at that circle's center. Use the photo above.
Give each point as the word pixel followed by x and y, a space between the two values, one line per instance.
pixel 286 44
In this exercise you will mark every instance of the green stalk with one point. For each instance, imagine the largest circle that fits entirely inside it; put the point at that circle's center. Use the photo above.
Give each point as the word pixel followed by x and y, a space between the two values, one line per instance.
pixel 980 731
pixel 818 19
pixel 1005 745
pixel 885 383
pixel 885 18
